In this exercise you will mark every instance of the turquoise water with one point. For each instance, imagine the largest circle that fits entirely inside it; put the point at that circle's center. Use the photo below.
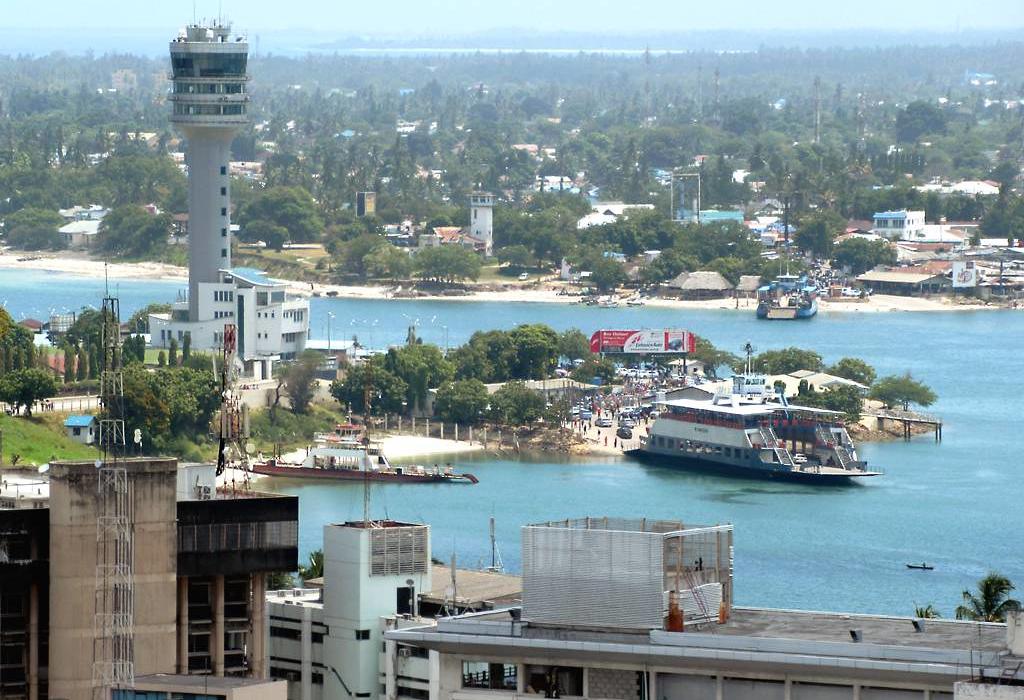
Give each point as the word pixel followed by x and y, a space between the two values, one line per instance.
pixel 953 504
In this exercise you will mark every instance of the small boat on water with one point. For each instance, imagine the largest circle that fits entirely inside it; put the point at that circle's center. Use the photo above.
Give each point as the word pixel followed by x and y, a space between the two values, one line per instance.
pixel 922 566
pixel 787 298
pixel 635 301
pixel 348 455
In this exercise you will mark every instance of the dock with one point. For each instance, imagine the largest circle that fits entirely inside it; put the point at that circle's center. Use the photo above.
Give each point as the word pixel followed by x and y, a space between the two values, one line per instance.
pixel 907 419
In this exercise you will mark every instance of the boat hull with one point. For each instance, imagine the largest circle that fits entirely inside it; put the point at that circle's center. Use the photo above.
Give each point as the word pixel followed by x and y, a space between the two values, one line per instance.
pixel 298 472
pixel 745 472
pixel 764 312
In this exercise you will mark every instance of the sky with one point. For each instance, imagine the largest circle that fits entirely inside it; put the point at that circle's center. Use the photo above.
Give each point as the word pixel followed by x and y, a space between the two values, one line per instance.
pixel 452 17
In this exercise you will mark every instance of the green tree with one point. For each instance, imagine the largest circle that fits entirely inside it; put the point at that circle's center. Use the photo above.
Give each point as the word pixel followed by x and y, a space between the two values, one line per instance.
pixel 82 365
pixel 855 370
pixel 918 119
pixel 24 387
pixel 34 229
pixel 713 358
pixel 186 348
pixel 387 261
pixel 273 235
pixel 299 380
pixel 462 401
pixel 817 234
pixel 990 602
pixel 290 208
pixel 385 390
pixel 161 359
pixel 537 348
pixel 131 231
pixel 69 364
pixel 447 264
pixel 859 255
pixel 787 360
pixel 595 366
pixel 172 353
pixel 848 400
pixel 573 344
pixel 421 367
pixel 516 404
pixel 315 567
pixel 926 612
pixel 516 257
pixel 607 274
pixel 902 390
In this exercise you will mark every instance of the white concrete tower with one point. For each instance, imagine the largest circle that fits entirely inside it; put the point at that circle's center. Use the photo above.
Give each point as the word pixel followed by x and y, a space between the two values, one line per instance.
pixel 210 102
pixel 481 219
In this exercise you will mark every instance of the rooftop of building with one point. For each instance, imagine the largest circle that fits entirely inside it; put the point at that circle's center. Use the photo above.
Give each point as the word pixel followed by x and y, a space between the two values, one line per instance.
pixel 620 524
pixel 747 632
pixel 473 588
pixel 251 276
pixel 171 682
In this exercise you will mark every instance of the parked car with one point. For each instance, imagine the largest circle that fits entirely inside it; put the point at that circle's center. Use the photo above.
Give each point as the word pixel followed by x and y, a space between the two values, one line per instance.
pixel 627 423
pixel 586 415
pixel 603 422
pixel 524 276
pixel 624 433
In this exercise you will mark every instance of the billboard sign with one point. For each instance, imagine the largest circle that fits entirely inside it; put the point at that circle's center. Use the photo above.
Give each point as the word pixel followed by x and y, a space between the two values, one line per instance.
pixel 965 274
pixel 664 341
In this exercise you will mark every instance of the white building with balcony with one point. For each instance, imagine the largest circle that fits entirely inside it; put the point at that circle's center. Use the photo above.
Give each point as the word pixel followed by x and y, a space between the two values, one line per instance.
pixel 902 225
pixel 271 325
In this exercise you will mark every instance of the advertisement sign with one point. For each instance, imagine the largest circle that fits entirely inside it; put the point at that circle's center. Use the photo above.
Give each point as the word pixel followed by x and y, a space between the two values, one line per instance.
pixel 965 274
pixel 643 342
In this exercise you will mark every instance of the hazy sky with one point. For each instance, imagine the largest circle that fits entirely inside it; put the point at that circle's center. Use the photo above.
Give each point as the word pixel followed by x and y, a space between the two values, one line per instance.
pixel 390 17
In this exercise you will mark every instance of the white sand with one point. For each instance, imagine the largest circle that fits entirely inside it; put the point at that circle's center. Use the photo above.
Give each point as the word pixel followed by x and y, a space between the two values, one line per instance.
pixel 87 267
pixel 408 446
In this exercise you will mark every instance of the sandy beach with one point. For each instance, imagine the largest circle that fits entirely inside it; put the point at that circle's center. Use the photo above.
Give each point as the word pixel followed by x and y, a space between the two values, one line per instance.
pixel 88 267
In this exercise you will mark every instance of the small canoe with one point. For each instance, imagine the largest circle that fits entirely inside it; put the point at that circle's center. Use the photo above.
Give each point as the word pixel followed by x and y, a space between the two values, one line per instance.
pixel 922 566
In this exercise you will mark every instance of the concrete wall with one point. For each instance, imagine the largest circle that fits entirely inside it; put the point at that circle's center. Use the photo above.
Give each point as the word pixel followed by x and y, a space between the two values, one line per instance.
pixel 987 691
pixel 73 513
pixel 612 683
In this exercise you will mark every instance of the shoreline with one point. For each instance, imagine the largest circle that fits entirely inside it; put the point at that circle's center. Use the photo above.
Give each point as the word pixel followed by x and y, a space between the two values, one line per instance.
pixel 84 266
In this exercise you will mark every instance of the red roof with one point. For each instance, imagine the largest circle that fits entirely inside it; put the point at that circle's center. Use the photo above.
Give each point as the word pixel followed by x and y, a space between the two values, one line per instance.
pixel 31 323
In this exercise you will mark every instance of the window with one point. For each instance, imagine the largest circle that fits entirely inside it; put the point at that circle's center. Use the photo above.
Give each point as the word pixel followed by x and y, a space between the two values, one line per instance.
pixel 481 674
pixel 223 191
pixel 223 252
pixel 223 233
pixel 362 634
pixel 223 211
pixel 223 170
pixel 285 633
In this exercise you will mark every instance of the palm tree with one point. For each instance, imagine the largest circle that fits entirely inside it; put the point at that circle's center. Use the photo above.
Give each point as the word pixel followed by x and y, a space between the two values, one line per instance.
pixel 315 568
pixel 926 612
pixel 991 602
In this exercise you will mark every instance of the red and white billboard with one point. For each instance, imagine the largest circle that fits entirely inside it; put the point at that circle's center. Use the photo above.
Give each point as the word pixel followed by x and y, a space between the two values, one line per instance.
pixel 646 342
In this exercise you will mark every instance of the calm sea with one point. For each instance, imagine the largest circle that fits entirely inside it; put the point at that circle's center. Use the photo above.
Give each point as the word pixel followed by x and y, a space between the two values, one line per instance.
pixel 956 505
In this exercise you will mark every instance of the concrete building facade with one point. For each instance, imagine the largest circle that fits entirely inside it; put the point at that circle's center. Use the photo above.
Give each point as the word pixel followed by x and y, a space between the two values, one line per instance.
pixel 594 627
pixel 201 556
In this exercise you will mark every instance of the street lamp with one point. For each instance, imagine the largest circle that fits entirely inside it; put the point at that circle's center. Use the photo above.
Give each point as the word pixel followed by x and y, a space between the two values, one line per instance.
pixel 330 317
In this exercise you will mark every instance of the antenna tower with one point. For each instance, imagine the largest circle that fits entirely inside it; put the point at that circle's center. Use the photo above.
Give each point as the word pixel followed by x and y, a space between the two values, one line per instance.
pixel 717 116
pixel 113 662
pixel 233 429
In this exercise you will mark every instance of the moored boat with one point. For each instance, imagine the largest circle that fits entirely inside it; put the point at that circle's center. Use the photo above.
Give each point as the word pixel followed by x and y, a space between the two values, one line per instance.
pixel 745 433
pixel 347 455
pixel 786 298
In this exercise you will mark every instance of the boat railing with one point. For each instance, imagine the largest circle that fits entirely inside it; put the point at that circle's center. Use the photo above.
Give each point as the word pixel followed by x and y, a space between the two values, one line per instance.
pixel 771 441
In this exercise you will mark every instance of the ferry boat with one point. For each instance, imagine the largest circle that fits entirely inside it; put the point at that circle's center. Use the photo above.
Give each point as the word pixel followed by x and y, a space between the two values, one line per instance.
pixel 347 455
pixel 743 432
pixel 786 298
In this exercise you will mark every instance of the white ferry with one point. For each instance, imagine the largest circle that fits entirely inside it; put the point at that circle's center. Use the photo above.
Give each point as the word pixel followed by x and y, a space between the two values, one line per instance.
pixel 746 433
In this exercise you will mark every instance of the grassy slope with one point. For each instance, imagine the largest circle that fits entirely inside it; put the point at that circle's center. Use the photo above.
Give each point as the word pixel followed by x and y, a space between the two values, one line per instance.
pixel 39 440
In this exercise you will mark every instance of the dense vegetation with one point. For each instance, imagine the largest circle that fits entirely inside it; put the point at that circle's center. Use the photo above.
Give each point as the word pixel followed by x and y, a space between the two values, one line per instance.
pixel 326 127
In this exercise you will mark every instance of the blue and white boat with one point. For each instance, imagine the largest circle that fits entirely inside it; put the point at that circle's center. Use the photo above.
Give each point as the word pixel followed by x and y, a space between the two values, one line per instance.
pixel 786 298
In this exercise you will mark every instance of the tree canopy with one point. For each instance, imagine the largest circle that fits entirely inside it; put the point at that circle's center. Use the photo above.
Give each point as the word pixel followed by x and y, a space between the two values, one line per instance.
pixel 902 390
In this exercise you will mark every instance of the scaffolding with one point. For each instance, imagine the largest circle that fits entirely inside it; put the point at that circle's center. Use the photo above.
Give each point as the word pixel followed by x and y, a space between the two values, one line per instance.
pixel 113 663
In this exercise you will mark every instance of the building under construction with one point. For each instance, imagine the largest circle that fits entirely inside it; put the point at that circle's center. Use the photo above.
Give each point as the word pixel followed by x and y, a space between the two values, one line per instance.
pixel 199 560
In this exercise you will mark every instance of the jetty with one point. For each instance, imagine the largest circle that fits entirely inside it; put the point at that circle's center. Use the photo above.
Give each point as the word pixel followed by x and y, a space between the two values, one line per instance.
pixel 906 419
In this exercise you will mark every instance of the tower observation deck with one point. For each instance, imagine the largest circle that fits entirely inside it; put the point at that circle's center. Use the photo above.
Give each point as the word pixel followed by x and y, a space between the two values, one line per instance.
pixel 210 105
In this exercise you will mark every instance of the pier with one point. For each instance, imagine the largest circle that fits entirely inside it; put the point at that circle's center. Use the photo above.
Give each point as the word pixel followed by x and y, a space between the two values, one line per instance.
pixel 907 419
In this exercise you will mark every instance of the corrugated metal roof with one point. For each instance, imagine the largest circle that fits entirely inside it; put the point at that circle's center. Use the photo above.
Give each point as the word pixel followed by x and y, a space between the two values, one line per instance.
pixel 79 421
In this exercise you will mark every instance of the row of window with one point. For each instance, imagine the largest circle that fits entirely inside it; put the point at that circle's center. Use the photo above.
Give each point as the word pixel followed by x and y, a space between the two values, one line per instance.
pixel 184 88
pixel 695 447
pixel 209 110
pixel 226 295
pixel 223 314
pixel 296 315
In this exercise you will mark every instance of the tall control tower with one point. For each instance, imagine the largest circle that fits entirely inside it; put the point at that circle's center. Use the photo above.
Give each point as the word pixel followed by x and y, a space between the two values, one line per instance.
pixel 210 105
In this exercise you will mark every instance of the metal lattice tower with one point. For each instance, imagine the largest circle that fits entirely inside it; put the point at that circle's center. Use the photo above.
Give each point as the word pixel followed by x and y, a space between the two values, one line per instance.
pixel 113 663
pixel 233 423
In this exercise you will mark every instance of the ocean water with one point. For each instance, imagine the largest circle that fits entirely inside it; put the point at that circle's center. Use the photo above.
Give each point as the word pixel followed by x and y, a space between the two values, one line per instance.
pixel 956 504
